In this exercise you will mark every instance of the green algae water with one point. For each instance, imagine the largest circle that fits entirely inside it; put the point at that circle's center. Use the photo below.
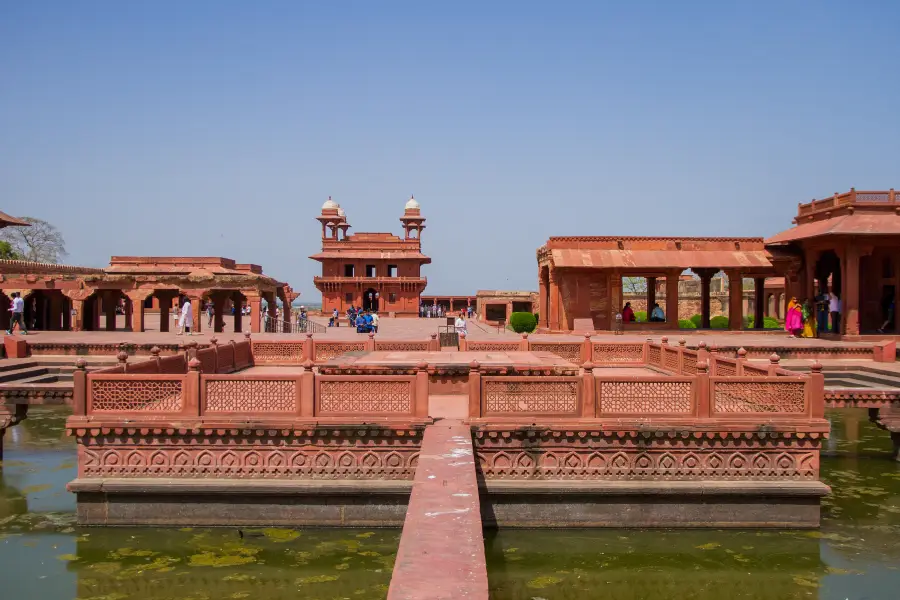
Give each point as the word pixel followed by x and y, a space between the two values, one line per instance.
pixel 44 555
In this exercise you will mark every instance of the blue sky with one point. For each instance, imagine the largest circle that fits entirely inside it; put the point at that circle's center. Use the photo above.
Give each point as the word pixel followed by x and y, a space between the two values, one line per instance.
pixel 220 128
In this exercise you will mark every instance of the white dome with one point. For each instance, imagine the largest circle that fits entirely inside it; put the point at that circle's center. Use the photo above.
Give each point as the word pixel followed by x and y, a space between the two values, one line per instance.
pixel 340 211
pixel 411 203
pixel 330 204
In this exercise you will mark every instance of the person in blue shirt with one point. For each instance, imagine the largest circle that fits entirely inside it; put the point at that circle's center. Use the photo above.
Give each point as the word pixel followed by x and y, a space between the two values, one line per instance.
pixel 369 325
pixel 360 323
pixel 657 314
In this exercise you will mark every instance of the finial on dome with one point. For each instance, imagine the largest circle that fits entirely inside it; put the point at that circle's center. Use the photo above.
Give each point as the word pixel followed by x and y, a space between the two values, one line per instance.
pixel 411 203
pixel 330 204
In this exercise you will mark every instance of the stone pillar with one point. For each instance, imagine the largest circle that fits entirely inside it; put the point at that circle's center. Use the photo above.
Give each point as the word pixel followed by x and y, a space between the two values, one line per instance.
pixel 759 298
pixel 651 295
pixel 110 300
pixel 672 299
pixel 237 299
pixel 735 296
pixel 255 313
pixel 850 291
pixel 509 310
pixel 197 311
pixel 554 302
pixel 138 297
pixel 705 284
pixel 165 306
pixel 218 300
pixel 543 290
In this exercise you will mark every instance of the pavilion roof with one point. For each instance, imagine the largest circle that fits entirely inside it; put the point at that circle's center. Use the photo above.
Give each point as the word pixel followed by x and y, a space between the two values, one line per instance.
pixel 858 223
pixel 605 258
pixel 372 255
pixel 8 221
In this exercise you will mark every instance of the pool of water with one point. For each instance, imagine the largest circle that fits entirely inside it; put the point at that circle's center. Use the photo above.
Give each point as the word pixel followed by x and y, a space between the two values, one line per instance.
pixel 44 555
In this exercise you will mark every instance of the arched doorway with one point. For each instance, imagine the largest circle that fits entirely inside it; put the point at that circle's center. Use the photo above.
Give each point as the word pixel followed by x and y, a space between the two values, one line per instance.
pixel 370 300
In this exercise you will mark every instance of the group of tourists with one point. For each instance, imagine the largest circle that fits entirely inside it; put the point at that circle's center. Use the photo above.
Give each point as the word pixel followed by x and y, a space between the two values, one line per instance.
pixel 437 311
pixel 365 321
pixel 810 318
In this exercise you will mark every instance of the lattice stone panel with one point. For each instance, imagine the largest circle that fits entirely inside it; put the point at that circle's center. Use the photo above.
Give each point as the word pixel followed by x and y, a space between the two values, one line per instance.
pixel 277 352
pixel 570 352
pixel 401 346
pixel 242 395
pixel 618 353
pixel 136 395
pixel 493 346
pixel 360 397
pixel 530 397
pixel 884 197
pixel 689 364
pixel 670 356
pixel 329 350
pixel 760 397
pixel 644 397
pixel 725 369
pixel 653 355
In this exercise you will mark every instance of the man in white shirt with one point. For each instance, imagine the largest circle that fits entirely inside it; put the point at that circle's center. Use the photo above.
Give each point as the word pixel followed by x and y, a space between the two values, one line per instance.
pixel 834 307
pixel 17 308
pixel 374 322
pixel 460 326
pixel 186 322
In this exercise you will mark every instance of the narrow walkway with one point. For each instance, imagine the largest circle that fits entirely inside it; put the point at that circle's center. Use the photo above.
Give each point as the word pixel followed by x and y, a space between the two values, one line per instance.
pixel 441 553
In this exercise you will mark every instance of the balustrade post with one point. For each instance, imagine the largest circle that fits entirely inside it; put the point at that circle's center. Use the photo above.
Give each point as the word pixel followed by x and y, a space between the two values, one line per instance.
pixel 774 359
pixel 463 343
pixel 370 343
pixel 309 352
pixel 702 352
pixel 681 344
pixel 420 410
pixel 523 343
pixel 702 391
pixel 741 359
pixel 249 341
pixel 816 392
pixel 713 360
pixel 587 354
pixel 588 395
pixel 122 357
pixel 215 344
pixel 434 345
pixel 79 391
pixel 474 390
pixel 154 353
pixel 645 353
pixel 191 392
pixel 307 400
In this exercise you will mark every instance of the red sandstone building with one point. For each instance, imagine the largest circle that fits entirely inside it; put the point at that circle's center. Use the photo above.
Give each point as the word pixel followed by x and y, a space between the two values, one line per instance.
pixel 375 271
pixel 849 244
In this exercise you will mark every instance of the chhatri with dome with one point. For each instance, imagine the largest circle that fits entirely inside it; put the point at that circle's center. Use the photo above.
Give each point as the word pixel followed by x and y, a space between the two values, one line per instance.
pixel 375 271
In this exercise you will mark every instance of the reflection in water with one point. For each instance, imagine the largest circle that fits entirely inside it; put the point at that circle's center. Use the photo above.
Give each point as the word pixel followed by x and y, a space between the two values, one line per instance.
pixel 44 555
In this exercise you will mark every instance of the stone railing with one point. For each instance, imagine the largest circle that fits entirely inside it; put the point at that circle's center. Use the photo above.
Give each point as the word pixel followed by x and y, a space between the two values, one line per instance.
pixel 847 198
pixel 297 352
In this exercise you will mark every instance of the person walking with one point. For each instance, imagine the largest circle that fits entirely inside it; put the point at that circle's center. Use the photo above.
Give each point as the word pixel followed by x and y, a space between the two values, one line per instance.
pixel 17 316
pixel 210 313
pixel 186 322
pixel 793 320
pixel 834 307
pixel 375 322
pixel 809 319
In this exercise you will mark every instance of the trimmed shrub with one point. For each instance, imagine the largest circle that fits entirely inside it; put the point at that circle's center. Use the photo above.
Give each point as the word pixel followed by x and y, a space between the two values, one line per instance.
pixel 719 322
pixel 686 324
pixel 640 315
pixel 696 320
pixel 768 323
pixel 522 322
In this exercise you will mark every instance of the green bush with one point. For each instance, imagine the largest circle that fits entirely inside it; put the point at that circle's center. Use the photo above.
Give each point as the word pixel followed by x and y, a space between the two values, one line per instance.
pixel 697 320
pixel 719 322
pixel 522 322
pixel 768 323
pixel 686 324
pixel 640 315
pixel 537 318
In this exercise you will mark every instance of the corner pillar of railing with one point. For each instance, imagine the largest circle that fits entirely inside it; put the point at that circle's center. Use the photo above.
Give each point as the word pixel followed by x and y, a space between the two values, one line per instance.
pixel 681 344
pixel 703 393
pixel 702 352
pixel 885 351
pixel 587 350
pixel 523 343
pixel 214 341
pixel 370 343
pixel 191 391
pixel 645 352
pixel 892 196
pixel 420 409
pixel 79 391
pixel 741 359
pixel 190 350
pixel 713 359
pixel 309 351
pixel 433 344
pixel 474 390
pixel 588 396
pixel 154 353
pixel 664 340
pixel 815 390
pixel 122 357
pixel 249 340
pixel 774 359
pixel 463 342
pixel 307 391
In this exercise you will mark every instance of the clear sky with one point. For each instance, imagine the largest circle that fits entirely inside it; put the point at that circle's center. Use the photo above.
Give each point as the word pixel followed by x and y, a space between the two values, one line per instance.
pixel 220 127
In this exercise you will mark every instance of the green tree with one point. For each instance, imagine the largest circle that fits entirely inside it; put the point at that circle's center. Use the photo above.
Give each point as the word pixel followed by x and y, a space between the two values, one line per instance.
pixel 7 252
pixel 42 242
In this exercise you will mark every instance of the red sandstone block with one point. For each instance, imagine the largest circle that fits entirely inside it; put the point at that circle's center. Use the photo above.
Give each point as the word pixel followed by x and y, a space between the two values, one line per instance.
pixel 15 347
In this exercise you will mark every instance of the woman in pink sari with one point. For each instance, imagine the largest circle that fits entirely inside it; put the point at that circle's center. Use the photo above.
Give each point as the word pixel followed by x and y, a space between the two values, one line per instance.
pixel 793 318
